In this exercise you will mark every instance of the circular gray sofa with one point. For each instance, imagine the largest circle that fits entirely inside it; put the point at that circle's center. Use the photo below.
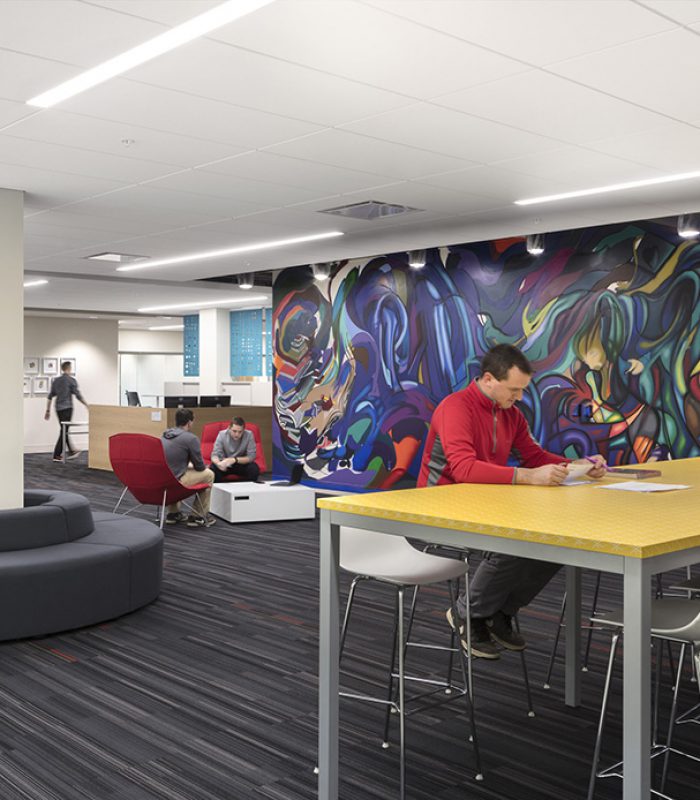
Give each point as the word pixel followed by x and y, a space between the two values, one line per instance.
pixel 62 567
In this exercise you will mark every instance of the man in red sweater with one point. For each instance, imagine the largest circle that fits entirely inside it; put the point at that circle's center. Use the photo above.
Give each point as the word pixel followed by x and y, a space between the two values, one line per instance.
pixel 472 434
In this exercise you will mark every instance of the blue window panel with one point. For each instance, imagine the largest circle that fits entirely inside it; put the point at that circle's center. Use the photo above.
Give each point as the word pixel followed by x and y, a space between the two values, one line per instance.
pixel 268 342
pixel 190 342
pixel 246 342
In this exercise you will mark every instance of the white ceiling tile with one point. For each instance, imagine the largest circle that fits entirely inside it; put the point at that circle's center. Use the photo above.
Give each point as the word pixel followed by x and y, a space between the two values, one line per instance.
pixel 23 76
pixel 321 178
pixel 252 192
pixel 537 32
pixel 164 209
pixel 495 182
pixel 453 133
pixel 78 161
pixel 652 72
pixel 171 13
pixel 534 101
pixel 673 147
pixel 579 168
pixel 232 75
pixel 45 188
pixel 98 135
pixel 326 36
pixel 346 149
pixel 128 102
pixel 56 31
pixel 684 12
pixel 11 112
pixel 78 217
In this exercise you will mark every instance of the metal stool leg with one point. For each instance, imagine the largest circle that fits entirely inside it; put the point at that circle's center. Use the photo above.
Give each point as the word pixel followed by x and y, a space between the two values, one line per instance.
pixel 555 646
pixel 348 609
pixel 594 608
pixel 402 694
pixel 672 719
pixel 601 721
pixel 526 679
pixel 468 682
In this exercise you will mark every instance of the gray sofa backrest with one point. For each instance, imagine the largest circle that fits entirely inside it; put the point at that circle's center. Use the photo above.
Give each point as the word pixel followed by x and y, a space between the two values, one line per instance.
pixel 47 518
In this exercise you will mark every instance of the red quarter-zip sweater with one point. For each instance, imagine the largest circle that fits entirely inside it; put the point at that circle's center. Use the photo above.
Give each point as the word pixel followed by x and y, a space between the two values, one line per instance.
pixel 471 437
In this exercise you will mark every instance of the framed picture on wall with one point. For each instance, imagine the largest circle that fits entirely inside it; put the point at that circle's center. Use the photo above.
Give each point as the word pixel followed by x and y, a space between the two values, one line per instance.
pixel 27 385
pixel 40 384
pixel 49 365
pixel 31 365
pixel 72 363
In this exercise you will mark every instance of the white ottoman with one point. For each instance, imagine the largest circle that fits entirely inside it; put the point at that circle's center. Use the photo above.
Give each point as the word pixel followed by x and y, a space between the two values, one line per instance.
pixel 241 501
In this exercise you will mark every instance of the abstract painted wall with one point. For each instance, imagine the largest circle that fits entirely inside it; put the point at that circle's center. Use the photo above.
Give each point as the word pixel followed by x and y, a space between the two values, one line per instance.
pixel 609 317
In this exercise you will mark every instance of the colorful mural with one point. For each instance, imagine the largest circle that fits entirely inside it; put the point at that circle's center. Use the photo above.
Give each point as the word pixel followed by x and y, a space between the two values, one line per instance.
pixel 609 317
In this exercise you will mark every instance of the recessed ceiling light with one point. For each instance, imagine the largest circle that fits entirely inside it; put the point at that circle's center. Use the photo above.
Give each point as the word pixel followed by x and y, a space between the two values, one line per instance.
pixel 37 282
pixel 614 187
pixel 230 251
pixel 246 280
pixel 253 298
pixel 175 37
pixel 119 258
pixel 166 328
pixel 92 316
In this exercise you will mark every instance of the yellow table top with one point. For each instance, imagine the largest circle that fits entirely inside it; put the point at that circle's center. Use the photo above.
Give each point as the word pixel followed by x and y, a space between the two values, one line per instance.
pixel 579 517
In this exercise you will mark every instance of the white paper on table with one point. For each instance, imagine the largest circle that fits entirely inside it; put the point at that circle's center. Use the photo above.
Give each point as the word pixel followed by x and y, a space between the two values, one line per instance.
pixel 644 486
pixel 574 482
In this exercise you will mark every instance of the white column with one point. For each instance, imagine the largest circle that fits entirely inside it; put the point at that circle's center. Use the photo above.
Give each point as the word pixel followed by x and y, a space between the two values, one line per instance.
pixel 214 349
pixel 11 347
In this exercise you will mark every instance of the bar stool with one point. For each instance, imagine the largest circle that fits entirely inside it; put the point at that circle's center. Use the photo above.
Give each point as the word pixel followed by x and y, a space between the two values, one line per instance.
pixel 674 620
pixel 393 561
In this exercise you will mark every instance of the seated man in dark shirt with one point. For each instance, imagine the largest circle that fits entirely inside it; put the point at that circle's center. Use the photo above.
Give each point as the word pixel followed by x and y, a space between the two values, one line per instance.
pixel 234 453
pixel 183 453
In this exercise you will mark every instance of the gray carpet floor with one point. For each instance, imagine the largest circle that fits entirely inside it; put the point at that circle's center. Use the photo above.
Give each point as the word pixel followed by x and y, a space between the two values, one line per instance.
pixel 210 692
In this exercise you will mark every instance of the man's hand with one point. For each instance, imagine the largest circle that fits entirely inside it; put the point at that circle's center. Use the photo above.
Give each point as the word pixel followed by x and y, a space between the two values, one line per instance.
pixel 597 469
pixel 548 475
pixel 47 415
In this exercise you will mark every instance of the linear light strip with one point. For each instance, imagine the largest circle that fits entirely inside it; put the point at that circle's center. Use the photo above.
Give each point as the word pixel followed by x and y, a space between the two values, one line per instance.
pixel 166 327
pixel 615 187
pixel 38 282
pixel 254 298
pixel 230 251
pixel 181 34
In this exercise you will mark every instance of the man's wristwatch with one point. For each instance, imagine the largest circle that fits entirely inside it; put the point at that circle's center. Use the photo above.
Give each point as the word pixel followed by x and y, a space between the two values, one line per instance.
pixel 235 459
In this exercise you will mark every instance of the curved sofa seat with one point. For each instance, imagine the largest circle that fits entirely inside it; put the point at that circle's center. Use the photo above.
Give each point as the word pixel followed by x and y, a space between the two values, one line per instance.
pixel 75 568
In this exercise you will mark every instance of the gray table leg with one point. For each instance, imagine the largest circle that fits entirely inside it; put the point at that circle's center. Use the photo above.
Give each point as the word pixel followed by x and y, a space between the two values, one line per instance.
pixel 636 731
pixel 328 661
pixel 572 619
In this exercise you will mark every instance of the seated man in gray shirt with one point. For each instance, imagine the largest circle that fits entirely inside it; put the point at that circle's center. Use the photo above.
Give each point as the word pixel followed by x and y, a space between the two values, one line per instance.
pixel 234 453
pixel 183 453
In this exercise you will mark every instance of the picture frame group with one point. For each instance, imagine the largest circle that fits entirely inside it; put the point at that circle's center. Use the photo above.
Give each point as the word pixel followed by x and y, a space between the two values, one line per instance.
pixel 40 371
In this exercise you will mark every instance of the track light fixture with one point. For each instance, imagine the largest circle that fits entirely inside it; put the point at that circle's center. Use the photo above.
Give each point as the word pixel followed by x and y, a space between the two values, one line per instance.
pixel 246 280
pixel 416 259
pixel 535 244
pixel 321 272
pixel 689 225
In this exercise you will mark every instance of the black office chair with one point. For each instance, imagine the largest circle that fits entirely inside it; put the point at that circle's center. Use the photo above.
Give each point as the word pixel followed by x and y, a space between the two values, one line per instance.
pixel 132 398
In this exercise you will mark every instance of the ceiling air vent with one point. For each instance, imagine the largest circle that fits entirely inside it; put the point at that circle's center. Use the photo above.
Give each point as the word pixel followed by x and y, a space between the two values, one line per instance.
pixel 369 209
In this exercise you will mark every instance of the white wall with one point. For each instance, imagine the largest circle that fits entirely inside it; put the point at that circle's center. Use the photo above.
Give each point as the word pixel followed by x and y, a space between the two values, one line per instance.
pixel 147 373
pixel 150 342
pixel 93 344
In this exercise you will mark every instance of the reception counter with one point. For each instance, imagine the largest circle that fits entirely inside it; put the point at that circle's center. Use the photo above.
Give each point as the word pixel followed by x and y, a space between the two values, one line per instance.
pixel 108 420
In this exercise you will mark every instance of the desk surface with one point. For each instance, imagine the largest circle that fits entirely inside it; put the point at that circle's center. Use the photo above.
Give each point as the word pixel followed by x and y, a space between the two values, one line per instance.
pixel 578 517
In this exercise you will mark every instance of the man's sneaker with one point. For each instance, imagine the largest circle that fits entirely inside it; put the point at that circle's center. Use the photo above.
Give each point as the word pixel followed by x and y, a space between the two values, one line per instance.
pixel 481 644
pixel 173 517
pixel 200 522
pixel 74 454
pixel 58 460
pixel 500 628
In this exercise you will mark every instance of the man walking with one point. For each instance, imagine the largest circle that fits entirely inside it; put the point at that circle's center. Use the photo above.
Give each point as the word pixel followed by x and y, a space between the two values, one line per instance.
pixel 63 388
